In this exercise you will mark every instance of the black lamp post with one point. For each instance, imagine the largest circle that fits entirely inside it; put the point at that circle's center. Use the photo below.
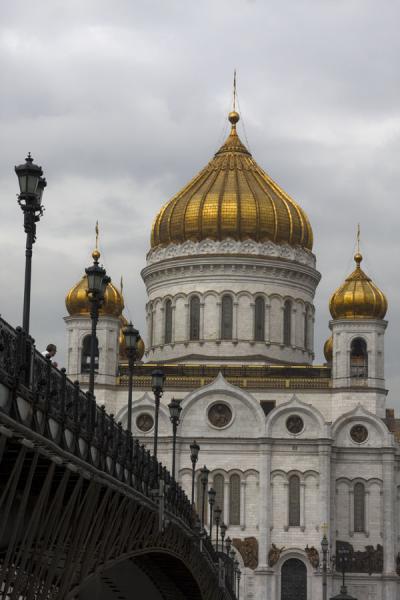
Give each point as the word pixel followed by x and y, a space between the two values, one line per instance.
pixel 218 513
pixel 175 410
pixel 343 559
pixel 238 574
pixel 31 186
pixel 324 546
pixel 211 501
pixel 223 529
pixel 132 337
pixel 194 455
pixel 157 384
pixel 97 284
pixel 204 483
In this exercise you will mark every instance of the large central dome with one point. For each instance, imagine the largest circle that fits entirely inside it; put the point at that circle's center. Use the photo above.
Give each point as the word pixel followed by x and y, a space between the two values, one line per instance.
pixel 232 197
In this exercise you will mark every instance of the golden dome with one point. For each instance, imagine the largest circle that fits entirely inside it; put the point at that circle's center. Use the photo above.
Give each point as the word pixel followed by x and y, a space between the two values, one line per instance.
pixel 232 197
pixel 328 349
pixel 358 297
pixel 140 348
pixel 78 303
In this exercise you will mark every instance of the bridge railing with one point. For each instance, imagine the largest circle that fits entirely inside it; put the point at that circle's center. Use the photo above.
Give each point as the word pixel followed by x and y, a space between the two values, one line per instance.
pixel 42 398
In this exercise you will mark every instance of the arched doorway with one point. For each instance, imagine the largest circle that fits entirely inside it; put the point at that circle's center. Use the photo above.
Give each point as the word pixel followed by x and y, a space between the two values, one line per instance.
pixel 293 580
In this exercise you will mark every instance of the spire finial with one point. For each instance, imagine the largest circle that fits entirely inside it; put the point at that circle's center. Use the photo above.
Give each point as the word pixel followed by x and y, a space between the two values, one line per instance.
pixel 122 285
pixel 96 253
pixel 358 257
pixel 234 116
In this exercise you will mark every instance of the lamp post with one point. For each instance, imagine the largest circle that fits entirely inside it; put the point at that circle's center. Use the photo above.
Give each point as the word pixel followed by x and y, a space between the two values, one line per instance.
pixel 97 284
pixel 204 483
pixel 238 574
pixel 175 410
pixel 324 546
pixel 211 501
pixel 228 545
pixel 217 513
pixel 132 337
pixel 343 559
pixel 223 529
pixel 194 455
pixel 31 186
pixel 157 384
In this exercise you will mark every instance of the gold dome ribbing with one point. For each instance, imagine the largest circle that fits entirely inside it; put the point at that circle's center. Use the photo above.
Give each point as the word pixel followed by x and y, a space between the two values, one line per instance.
pixel 328 349
pixel 232 197
pixel 358 297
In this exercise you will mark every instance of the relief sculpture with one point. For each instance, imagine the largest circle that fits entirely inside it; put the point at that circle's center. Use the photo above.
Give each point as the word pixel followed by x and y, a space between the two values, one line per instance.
pixel 313 556
pixel 248 549
pixel 369 560
pixel 274 554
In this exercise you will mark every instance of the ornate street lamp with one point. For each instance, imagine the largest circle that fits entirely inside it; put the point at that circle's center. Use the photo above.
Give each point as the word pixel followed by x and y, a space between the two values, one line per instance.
pixel 132 337
pixel 343 559
pixel 157 384
pixel 31 186
pixel 238 574
pixel 97 284
pixel 204 483
pixel 175 410
pixel 223 529
pixel 217 513
pixel 211 501
pixel 194 455
pixel 324 546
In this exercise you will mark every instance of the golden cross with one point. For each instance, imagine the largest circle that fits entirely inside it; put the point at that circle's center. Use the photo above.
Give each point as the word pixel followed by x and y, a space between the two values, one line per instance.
pixel 234 91
pixel 358 238
pixel 122 285
pixel 97 234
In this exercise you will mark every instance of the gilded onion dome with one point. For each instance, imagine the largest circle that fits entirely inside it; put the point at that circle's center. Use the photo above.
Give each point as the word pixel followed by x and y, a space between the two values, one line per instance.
pixel 232 197
pixel 328 349
pixel 140 348
pixel 78 303
pixel 358 297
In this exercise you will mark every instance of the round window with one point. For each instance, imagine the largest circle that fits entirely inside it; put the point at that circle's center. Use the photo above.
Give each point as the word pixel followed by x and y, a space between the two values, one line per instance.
pixel 358 433
pixel 294 424
pixel 144 422
pixel 220 415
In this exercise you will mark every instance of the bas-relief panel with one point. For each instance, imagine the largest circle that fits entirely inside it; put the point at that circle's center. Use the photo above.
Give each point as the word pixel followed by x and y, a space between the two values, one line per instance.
pixel 363 591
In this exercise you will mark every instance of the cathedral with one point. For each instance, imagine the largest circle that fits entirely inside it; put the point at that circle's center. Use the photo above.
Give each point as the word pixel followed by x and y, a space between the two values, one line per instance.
pixel 295 451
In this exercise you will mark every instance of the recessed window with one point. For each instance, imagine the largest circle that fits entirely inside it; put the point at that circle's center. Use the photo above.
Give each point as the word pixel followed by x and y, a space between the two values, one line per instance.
pixel 226 317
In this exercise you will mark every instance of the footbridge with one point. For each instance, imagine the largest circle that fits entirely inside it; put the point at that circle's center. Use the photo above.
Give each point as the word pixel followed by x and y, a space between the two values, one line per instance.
pixel 86 511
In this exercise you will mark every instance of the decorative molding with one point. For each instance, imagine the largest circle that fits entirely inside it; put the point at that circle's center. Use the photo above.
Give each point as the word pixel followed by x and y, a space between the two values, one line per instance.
pixel 231 246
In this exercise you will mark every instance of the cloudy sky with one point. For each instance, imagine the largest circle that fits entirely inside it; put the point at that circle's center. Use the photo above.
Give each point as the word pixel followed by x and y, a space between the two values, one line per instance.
pixel 123 102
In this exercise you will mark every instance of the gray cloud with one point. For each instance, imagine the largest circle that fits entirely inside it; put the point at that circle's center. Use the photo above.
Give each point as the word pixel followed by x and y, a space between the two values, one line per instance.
pixel 122 103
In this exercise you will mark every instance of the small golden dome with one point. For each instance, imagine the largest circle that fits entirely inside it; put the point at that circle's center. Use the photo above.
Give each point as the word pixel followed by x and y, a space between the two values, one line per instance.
pixel 78 303
pixel 328 349
pixel 95 254
pixel 232 197
pixel 358 297
pixel 140 348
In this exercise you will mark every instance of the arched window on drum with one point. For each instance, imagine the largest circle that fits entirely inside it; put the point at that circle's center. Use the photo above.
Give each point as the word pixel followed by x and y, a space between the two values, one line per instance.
pixel 218 486
pixel 226 317
pixel 259 319
pixel 358 359
pixel 287 323
pixel 168 322
pixel 359 507
pixel 294 501
pixel 194 333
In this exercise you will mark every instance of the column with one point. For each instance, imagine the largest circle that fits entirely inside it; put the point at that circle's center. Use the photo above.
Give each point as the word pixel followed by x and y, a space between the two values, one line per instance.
pixel 351 512
pixel 264 505
pixel 366 524
pixel 201 332
pixel 267 322
pixel 302 505
pixel 187 319
pixel 388 477
pixel 162 337
pixel 286 506
pixel 235 317
pixel 243 504
pixel 324 452
pixel 173 323
pixel 293 327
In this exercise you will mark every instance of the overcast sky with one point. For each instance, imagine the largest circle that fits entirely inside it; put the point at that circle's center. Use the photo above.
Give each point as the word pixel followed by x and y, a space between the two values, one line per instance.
pixel 123 102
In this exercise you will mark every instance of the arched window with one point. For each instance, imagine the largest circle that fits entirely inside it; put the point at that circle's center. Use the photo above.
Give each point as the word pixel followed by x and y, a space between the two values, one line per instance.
pixel 359 507
pixel 287 323
pixel 234 500
pixel 168 322
pixel 85 359
pixel 194 333
pixel 306 337
pixel 259 319
pixel 294 501
pixel 358 359
pixel 219 496
pixel 199 499
pixel 226 317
